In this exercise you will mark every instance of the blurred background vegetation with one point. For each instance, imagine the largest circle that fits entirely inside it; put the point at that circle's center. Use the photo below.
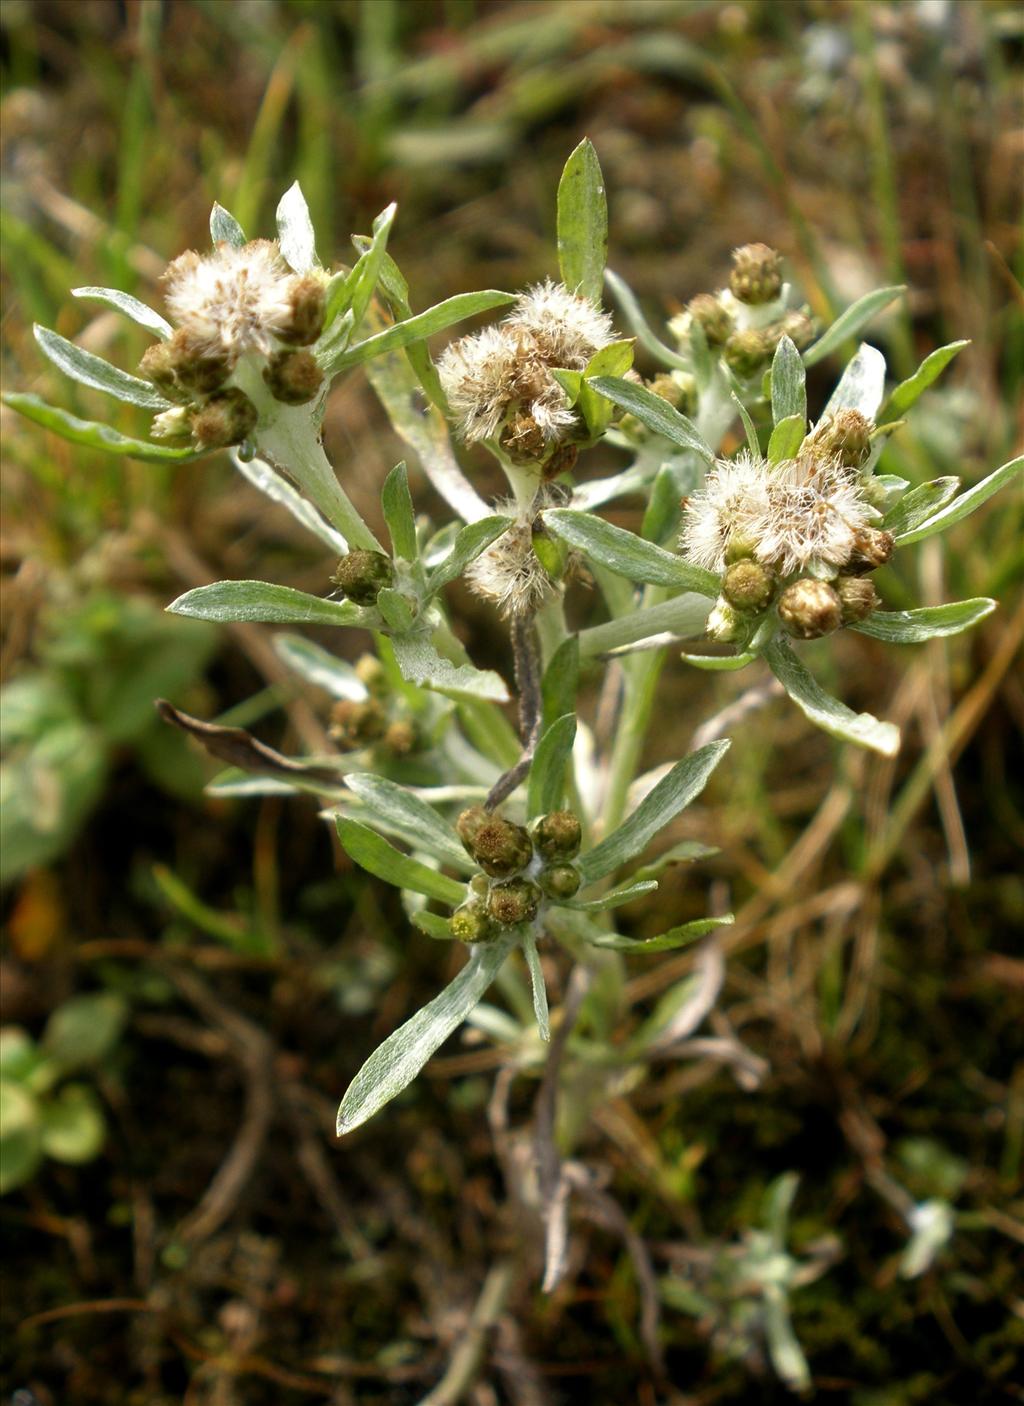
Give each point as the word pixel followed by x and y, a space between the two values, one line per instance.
pixel 180 1224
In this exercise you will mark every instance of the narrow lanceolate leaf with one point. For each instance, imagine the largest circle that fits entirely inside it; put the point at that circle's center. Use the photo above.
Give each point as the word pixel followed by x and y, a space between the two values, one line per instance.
pixel 540 992
pixel 470 542
pixel 421 664
pixel 789 383
pixel 639 325
pixel 672 794
pixel 626 554
pixel 910 390
pixel 849 323
pixel 615 898
pixel 261 601
pixel 91 434
pixel 561 681
pixel 395 1063
pixel 546 788
pixel 440 929
pixel 295 230
pixel 655 413
pixel 373 853
pixel 927 623
pixel 787 437
pixel 415 329
pixel 919 504
pixel 410 817
pixel 224 228
pixel 363 281
pixel 336 676
pixel 963 506
pixel 396 502
pixel 749 428
pixel 131 307
pixel 862 384
pixel 582 223
pixel 277 488
pixel 681 936
pixel 93 371
pixel 719 663
pixel 825 711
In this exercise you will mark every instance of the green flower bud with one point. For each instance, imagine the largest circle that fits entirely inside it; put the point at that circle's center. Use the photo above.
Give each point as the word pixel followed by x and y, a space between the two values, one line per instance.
pixel 227 418
pixel 724 623
pixel 845 436
pixel 809 609
pixel 857 597
pixel 361 575
pixel 713 316
pixel 748 585
pixel 471 924
pixel 160 365
pixel 560 881
pixel 679 389
pixel 748 351
pixel 307 301
pixel 871 548
pixel 294 377
pixel 558 835
pixel 798 327
pixel 356 723
pixel 400 738
pixel 756 274
pixel 515 901
pixel 498 846
pixel 480 885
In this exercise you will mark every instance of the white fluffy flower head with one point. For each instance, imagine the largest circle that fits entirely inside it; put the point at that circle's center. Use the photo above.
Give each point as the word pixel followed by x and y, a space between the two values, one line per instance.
pixel 233 301
pixel 733 504
pixel 509 574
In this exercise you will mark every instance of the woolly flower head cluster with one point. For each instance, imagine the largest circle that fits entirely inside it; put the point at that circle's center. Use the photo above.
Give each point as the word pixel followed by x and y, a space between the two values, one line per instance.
pixel 508 573
pixel 499 382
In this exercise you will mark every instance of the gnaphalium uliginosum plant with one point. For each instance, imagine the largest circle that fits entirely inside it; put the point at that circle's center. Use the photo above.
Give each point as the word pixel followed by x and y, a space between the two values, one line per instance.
pixel 505 839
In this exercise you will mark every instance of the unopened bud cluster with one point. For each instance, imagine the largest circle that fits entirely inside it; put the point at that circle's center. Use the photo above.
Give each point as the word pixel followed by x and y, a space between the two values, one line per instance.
pixel 232 305
pixel 378 721
pixel 520 869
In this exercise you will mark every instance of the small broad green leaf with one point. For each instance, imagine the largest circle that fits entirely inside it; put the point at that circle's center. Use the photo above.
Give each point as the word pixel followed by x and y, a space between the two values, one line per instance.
pixel 93 371
pixel 681 936
pixel 84 1030
pixel 540 993
pixel 73 1127
pixel 626 554
pixel 224 228
pixel 21 1148
pixel 131 307
pixel 471 541
pixel 849 323
pixel 396 609
pixel 789 384
pixel 396 502
pixel 277 488
pixel 908 391
pixel 597 410
pixel 862 385
pixel 787 437
pixel 655 413
pixel 409 816
pixel 373 853
pixel 561 681
pixel 414 329
pixel 363 279
pixel 615 898
pixel 295 230
pixel 546 788
pixel 719 663
pixel 639 325
pixel 582 223
pixel 318 667
pixel 433 925
pixel 929 622
pixel 673 793
pixel 92 435
pixel 967 502
pixel 825 711
pixel 421 664
pixel 919 504
pixel 261 601
pixel 395 1063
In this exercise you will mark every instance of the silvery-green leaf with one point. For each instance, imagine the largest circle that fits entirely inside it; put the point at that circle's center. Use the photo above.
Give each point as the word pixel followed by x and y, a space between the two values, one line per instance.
pixel 236 783
pixel 719 663
pixel 825 711
pixel 626 554
pixel 615 898
pixel 919 504
pixel 363 279
pixel 639 325
pixel 849 323
pixel 131 307
pixel 277 488
pixel 262 601
pixel 336 676
pixel 433 925
pixel 929 622
pixel 967 502
pixel 421 664
pixel 582 223
pixel 373 853
pixel 396 609
pixel 540 993
pixel 908 391
pixel 93 371
pixel 787 437
pixel 410 817
pixel 789 383
pixel 396 502
pixel 662 804
pixel 395 1063
pixel 685 852
pixel 655 413
pixel 783 1346
pixel 93 435
pixel 415 329
pixel 681 936
pixel 749 429
pixel 862 385
pixel 661 516
pixel 684 617
pixel 560 683
pixel 700 354
pixel 546 788
pixel 224 228
pixel 295 230
pixel 471 541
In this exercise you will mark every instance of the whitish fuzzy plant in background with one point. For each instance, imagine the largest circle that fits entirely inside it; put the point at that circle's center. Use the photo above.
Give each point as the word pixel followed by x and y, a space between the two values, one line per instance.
pixel 509 839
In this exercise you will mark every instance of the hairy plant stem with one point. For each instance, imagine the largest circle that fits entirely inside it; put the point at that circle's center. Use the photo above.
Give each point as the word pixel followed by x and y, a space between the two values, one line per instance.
pixel 527 667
